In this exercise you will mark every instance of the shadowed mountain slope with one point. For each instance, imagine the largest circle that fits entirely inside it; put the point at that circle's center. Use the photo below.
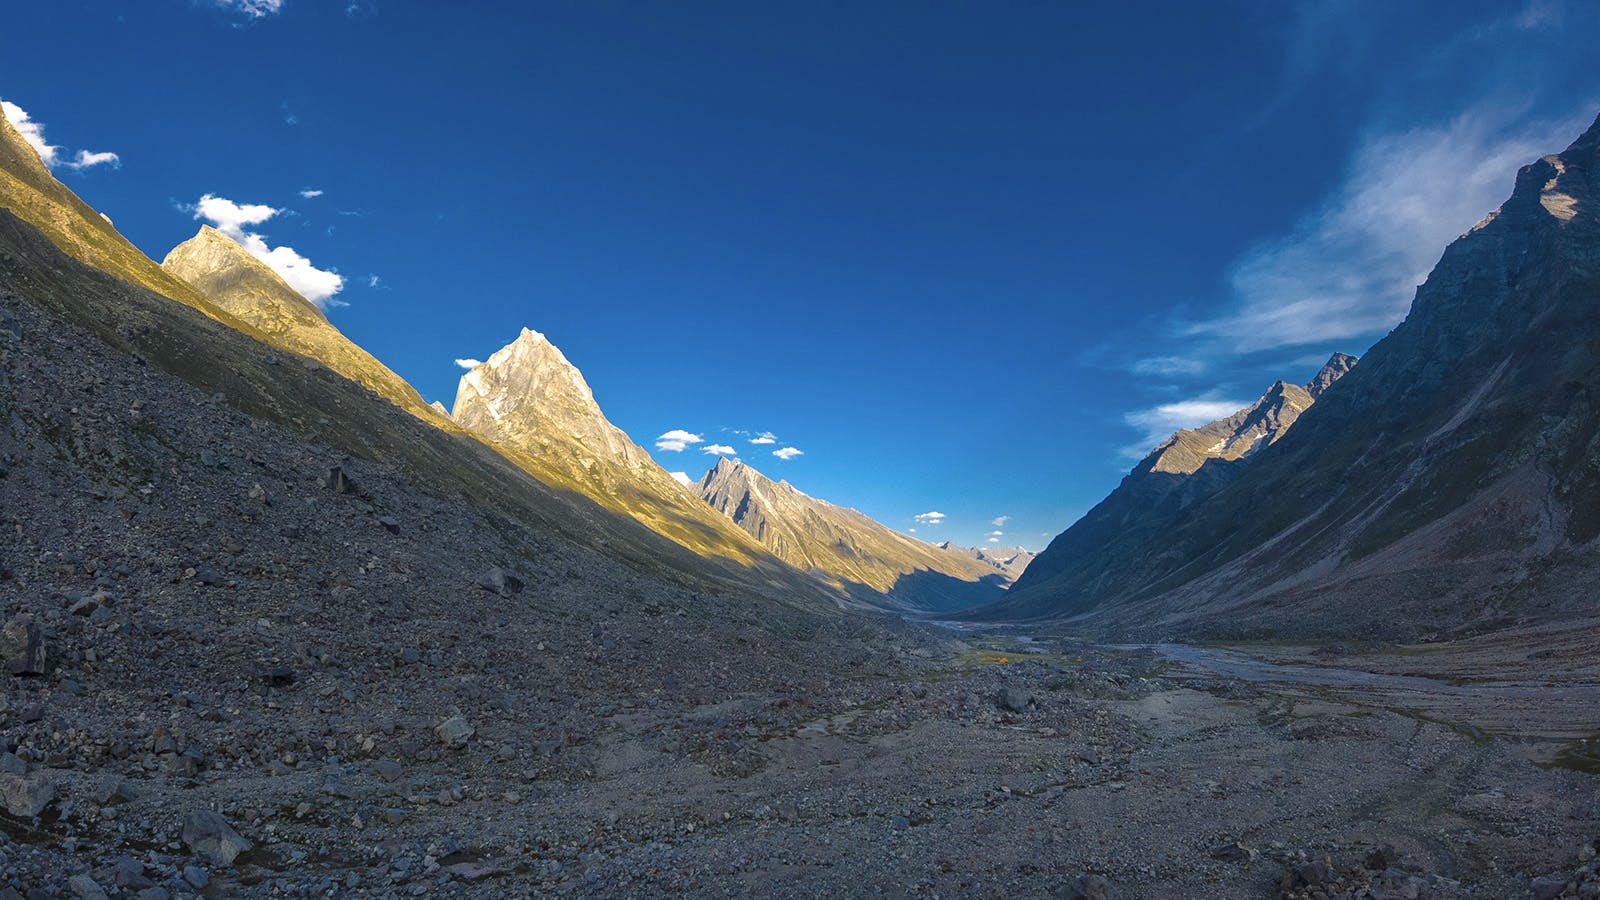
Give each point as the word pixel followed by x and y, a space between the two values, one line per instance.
pixel 1449 483
pixel 1186 468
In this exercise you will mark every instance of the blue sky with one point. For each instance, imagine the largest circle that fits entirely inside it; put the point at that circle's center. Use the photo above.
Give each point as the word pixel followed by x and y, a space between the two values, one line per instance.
pixel 966 258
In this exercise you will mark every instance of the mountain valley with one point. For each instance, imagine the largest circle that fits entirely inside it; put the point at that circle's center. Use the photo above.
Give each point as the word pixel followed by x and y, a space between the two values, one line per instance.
pixel 274 626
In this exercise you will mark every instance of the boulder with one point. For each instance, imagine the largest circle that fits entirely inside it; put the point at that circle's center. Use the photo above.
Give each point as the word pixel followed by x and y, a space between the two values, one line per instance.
pixel 25 796
pixel 22 647
pixel 210 837
pixel 500 581
pixel 454 732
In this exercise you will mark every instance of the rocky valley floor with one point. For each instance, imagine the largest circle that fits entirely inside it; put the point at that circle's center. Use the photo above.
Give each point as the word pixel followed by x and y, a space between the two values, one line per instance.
pixel 240 664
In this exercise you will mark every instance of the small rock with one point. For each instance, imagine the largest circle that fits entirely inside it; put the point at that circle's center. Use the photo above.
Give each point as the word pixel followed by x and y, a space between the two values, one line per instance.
pixel 1233 853
pixel 208 576
pixel 11 764
pixel 26 796
pixel 1548 887
pixel 22 647
pixel 500 581
pixel 276 676
pixel 388 770
pixel 83 886
pixel 84 607
pixel 1382 858
pixel 130 873
pixel 390 524
pixel 208 457
pixel 1014 699
pixel 336 480
pixel 115 791
pixel 196 876
pixel 454 732
pixel 210 837
pixel 1086 887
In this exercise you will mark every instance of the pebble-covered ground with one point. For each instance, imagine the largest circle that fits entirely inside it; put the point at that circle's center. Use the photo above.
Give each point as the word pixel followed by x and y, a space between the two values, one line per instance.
pixel 239 664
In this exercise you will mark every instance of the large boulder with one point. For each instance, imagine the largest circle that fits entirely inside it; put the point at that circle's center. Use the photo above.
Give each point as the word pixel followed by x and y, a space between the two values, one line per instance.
pixel 22 647
pixel 210 837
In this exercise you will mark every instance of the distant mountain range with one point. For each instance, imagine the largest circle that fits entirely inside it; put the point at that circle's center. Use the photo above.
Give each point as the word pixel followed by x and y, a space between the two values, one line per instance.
pixel 869 560
pixel 1449 484
pixel 1012 561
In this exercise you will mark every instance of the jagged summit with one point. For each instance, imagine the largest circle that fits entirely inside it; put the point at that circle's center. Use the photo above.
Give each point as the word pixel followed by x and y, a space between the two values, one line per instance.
pixel 528 389
pixel 845 546
pixel 1337 366
pixel 534 404
pixel 1013 561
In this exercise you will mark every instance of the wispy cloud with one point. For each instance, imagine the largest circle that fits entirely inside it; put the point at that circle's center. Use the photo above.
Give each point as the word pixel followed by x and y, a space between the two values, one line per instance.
pixel 232 219
pixel 765 437
pixel 1349 268
pixel 719 450
pixel 1159 422
pixel 999 521
pixel 929 518
pixel 468 362
pixel 312 193
pixel 51 155
pixel 250 9
pixel 1167 366
pixel 787 453
pixel 675 440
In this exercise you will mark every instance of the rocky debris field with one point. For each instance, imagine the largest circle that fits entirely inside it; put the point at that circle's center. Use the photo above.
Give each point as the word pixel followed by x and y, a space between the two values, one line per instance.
pixel 239 664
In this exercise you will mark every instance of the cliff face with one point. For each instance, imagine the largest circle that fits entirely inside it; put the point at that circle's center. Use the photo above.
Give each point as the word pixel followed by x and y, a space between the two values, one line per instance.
pixel 227 275
pixel 846 548
pixel 1450 482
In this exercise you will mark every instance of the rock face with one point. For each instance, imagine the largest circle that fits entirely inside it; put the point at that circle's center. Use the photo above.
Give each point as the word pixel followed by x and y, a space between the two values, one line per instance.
pixel 216 266
pixel 1012 561
pixel 529 400
pixel 1185 469
pixel 845 547
pixel 1450 483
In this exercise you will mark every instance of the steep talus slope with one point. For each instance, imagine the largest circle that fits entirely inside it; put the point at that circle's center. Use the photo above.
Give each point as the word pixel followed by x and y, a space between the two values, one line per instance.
pixel 225 273
pixel 34 195
pixel 59 255
pixel 1188 467
pixel 1450 482
pixel 529 399
pixel 846 547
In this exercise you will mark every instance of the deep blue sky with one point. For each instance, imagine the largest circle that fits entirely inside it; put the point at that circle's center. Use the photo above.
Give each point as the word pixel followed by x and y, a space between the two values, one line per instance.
pixel 969 257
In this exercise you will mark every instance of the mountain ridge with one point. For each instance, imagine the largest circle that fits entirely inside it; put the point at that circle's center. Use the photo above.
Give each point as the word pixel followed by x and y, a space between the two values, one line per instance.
pixel 845 546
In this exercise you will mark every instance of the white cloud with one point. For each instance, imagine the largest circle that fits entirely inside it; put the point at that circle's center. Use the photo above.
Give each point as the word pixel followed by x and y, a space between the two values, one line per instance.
pixel 720 450
pixel 999 521
pixel 1167 366
pixel 912 530
pixel 929 518
pixel 230 218
pixel 469 363
pixel 86 159
pixel 32 131
pixel 1159 422
pixel 788 453
pixel 765 437
pixel 994 540
pixel 675 440
pixel 1350 268
pixel 997 534
pixel 251 9
pixel 682 478
pixel 311 193
pixel 373 281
